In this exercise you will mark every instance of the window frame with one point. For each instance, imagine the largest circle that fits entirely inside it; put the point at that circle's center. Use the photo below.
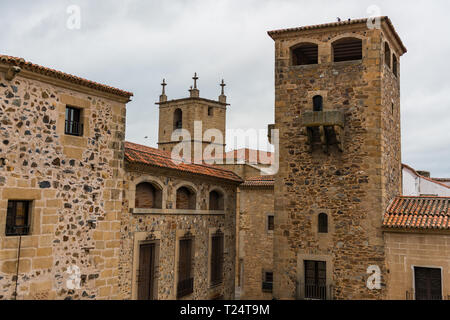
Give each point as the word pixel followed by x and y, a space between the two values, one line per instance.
pixel 71 121
pixel 322 225
pixel 216 271
pixel 188 281
pixel 13 217
pixel 342 41
pixel 266 285
pixel 269 223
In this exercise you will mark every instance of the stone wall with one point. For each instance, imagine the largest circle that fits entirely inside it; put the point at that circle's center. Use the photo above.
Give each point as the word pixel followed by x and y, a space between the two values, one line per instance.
pixel 167 225
pixel 352 187
pixel 407 250
pixel 69 180
pixel 255 241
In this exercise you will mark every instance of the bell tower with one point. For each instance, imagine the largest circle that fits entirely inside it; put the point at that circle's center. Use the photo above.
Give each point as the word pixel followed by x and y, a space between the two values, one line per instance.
pixel 196 117
pixel 337 109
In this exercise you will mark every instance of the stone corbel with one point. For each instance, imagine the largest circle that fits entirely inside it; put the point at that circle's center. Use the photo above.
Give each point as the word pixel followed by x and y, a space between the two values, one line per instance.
pixel 12 72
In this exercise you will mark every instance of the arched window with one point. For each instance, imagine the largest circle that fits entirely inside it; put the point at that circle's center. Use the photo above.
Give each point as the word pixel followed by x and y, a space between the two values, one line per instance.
pixel 304 54
pixel 216 200
pixel 394 65
pixel 323 223
pixel 318 103
pixel 186 199
pixel 387 55
pixel 177 119
pixel 148 196
pixel 347 49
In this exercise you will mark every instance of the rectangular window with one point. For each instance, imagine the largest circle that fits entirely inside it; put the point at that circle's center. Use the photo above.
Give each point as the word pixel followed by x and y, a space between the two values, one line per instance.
pixel 217 259
pixel 315 280
pixel 73 127
pixel 428 283
pixel 270 223
pixel 267 285
pixel 185 284
pixel 18 218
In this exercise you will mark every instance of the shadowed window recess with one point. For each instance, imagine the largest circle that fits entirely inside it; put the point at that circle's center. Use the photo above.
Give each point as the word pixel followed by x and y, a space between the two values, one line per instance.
pixel 18 218
pixel 347 49
pixel 148 196
pixel 186 199
pixel 323 223
pixel 217 258
pixel 387 55
pixel 185 285
pixel 177 119
pixel 216 200
pixel 73 126
pixel 305 54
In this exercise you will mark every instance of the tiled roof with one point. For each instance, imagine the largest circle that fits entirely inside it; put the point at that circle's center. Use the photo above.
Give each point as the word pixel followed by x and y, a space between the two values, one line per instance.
pixel 135 153
pixel 260 181
pixel 337 24
pixel 441 179
pixel 418 213
pixel 250 156
pixel 26 65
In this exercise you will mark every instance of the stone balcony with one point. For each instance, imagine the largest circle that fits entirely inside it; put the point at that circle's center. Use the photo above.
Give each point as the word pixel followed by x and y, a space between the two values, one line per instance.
pixel 329 125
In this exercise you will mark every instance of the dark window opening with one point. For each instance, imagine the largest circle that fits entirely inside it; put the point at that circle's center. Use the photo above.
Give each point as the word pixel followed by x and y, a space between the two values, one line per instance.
pixel 185 285
pixel 271 223
pixel 210 111
pixel 305 54
pixel 73 126
pixel 347 49
pixel 315 280
pixel 387 55
pixel 323 223
pixel 148 196
pixel 217 258
pixel 177 119
pixel 267 285
pixel 428 283
pixel 18 218
pixel 318 103
pixel 147 272
pixel 216 201
pixel 185 199
pixel 392 108
pixel 394 65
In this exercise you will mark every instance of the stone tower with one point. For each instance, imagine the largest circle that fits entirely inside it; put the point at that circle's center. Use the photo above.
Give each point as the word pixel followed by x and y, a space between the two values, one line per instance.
pixel 196 116
pixel 337 109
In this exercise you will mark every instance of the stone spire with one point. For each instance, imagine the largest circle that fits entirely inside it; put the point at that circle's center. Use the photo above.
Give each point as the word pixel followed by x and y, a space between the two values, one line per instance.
pixel 163 97
pixel 195 93
pixel 223 97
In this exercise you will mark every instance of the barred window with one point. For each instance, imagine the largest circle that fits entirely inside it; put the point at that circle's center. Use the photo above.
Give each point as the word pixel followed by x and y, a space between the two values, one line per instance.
pixel 74 127
pixel 18 218
pixel 305 54
pixel 347 49
pixel 270 223
pixel 217 258
pixel 185 284
pixel 315 280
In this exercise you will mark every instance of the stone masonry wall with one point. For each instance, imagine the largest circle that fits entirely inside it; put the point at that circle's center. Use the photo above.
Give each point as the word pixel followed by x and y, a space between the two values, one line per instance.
pixel 256 241
pixel 168 225
pixel 349 186
pixel 70 181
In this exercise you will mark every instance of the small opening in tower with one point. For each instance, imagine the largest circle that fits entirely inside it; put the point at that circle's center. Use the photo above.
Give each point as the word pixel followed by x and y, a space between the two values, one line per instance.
pixel 347 49
pixel 387 55
pixel 305 54
pixel 394 65
pixel 210 111
pixel 177 119
pixel 318 103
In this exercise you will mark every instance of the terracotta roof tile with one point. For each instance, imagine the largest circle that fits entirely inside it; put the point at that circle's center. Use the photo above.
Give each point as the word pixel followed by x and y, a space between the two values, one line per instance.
pixel 26 65
pixel 135 153
pixel 259 181
pixel 250 156
pixel 418 213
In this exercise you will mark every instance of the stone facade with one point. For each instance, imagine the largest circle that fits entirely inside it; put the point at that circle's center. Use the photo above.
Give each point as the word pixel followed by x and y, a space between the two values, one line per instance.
pixel 73 184
pixel 353 186
pixel 168 225
pixel 406 250
pixel 255 241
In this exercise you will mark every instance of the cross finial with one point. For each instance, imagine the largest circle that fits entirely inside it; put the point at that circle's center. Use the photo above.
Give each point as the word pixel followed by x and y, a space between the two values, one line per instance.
pixel 223 85
pixel 195 80
pixel 164 84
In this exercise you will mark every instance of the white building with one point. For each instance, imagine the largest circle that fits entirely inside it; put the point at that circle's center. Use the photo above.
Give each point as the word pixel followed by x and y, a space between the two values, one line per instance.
pixel 419 183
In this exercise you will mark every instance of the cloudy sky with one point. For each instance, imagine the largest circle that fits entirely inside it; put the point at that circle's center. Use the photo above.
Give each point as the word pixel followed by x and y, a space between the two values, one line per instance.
pixel 133 44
